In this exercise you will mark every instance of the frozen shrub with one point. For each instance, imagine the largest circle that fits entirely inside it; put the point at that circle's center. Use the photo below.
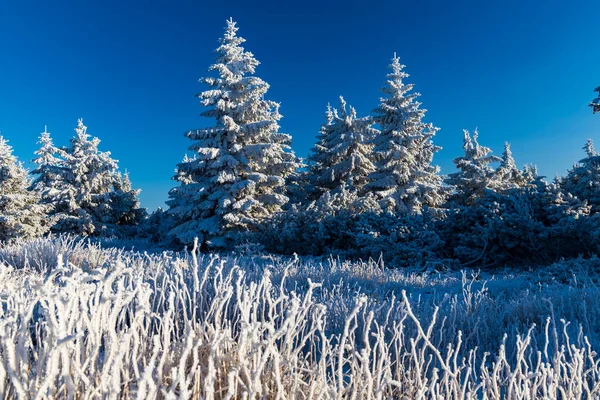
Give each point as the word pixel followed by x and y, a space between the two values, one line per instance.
pixel 533 225
pixel 157 226
pixel 347 225
pixel 166 326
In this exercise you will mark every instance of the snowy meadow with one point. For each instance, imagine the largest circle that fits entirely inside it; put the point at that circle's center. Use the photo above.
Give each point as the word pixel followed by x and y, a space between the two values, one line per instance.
pixel 82 321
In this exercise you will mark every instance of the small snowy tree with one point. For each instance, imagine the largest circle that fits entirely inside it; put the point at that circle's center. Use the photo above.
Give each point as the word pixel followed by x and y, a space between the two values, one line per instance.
pixel 21 215
pixel 507 176
pixel 583 180
pixel 343 154
pixel 93 198
pixel 475 173
pixel 530 172
pixel 404 178
pixel 125 204
pixel 595 104
pixel 237 175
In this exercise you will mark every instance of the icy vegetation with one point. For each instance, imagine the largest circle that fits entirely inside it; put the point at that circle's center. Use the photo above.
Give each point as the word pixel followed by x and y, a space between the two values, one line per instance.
pixel 80 321
pixel 122 315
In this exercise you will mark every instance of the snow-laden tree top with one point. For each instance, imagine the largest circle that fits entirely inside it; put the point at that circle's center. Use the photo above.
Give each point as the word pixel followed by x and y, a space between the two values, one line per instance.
pixel 92 168
pixel 475 173
pixel 343 153
pixel 508 175
pixel 49 167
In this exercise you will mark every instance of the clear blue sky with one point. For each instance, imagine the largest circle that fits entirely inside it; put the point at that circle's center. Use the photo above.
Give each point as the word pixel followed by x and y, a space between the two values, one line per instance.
pixel 521 71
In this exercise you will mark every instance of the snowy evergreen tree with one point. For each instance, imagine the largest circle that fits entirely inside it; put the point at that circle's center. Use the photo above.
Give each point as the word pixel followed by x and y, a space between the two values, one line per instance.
pixel 343 154
pixel 49 170
pixel 404 179
pixel 530 172
pixel 595 104
pixel 583 180
pixel 508 175
pixel 93 198
pixel 317 158
pixel 21 215
pixel 237 175
pixel 125 204
pixel 475 173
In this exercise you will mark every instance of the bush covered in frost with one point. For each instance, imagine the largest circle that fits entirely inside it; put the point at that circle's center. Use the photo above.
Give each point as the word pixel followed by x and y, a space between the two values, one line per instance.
pixel 96 323
pixel 352 227
pixel 533 225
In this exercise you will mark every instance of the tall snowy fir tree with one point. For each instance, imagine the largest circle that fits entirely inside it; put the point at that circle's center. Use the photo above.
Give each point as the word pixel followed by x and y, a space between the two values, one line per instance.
pixel 237 175
pixel 583 180
pixel 87 203
pixel 21 215
pixel 404 179
pixel 49 170
pixel 475 173
pixel 344 153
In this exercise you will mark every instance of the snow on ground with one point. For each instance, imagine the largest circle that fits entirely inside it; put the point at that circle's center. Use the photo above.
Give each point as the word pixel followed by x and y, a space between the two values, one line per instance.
pixel 81 321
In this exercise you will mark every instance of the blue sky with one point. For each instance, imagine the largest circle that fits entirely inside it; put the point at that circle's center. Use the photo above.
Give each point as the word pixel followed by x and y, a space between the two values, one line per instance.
pixel 520 71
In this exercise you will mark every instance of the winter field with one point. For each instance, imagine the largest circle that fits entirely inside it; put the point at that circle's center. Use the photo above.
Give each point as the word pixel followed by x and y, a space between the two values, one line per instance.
pixel 82 321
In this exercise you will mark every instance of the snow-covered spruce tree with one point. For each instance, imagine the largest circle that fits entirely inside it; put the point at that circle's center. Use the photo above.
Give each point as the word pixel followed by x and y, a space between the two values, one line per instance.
pixel 316 160
pixel 475 173
pixel 237 175
pixel 93 199
pixel 343 154
pixel 404 178
pixel 595 104
pixel 301 187
pixel 125 210
pixel 583 180
pixel 21 215
pixel 508 176
pixel 48 172
pixel 530 173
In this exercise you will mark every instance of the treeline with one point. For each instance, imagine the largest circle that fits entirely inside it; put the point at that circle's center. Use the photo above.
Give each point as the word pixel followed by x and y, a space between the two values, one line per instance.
pixel 74 189
pixel 368 188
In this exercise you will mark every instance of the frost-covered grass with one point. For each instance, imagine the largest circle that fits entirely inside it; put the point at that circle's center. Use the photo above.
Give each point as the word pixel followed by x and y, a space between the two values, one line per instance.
pixel 80 321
